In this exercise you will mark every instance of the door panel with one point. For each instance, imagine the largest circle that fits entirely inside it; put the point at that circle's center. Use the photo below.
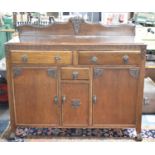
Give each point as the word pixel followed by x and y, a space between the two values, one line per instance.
pixel 116 95
pixel 34 92
pixel 75 101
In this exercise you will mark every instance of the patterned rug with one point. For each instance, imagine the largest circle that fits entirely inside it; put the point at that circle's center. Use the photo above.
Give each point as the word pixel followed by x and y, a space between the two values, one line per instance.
pixel 22 134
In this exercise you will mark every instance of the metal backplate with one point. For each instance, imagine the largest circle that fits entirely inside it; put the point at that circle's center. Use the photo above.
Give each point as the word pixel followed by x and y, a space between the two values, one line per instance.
pixel 16 72
pixel 75 75
pixel 98 72
pixel 24 58
pixel 75 103
pixel 125 59
pixel 52 72
pixel 134 72
pixel 56 99
pixel 94 59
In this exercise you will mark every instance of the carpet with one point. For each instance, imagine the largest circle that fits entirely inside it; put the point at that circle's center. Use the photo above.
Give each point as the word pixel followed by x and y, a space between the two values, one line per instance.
pixel 55 134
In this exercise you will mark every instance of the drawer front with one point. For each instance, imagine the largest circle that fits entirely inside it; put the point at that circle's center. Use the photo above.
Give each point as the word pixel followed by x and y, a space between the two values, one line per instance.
pixel 74 73
pixel 109 57
pixel 42 57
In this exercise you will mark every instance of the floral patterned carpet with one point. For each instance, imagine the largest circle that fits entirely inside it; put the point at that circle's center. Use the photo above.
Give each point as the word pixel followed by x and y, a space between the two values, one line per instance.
pixel 48 134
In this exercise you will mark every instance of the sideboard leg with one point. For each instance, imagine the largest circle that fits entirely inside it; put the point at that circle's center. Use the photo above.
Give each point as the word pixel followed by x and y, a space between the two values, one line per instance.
pixel 139 138
pixel 12 136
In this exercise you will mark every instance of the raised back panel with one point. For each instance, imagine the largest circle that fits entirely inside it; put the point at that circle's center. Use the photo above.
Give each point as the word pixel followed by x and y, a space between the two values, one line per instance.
pixel 71 29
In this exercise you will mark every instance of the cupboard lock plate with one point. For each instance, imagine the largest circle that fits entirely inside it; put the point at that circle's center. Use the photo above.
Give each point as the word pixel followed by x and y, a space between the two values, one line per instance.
pixel 75 103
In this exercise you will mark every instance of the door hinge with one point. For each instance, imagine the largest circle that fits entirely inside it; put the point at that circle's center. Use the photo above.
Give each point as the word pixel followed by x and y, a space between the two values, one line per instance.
pixel 52 72
pixel 98 72
pixel 134 72
pixel 16 72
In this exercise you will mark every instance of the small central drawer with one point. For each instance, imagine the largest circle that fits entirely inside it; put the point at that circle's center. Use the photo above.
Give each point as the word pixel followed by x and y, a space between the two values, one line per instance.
pixel 42 57
pixel 109 57
pixel 72 73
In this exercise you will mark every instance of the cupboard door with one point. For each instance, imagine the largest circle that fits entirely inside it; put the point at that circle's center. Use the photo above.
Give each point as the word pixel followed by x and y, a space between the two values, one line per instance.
pixel 35 96
pixel 115 95
pixel 75 104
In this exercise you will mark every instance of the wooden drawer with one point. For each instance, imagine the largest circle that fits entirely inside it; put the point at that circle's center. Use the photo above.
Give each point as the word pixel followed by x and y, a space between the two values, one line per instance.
pixel 42 57
pixel 109 57
pixel 74 73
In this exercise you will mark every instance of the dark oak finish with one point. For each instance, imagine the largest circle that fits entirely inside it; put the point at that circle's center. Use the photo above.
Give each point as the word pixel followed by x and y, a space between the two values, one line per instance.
pixel 115 102
pixel 76 74
pixel 41 57
pixel 72 73
pixel 69 30
pixel 75 107
pixel 34 92
pixel 109 57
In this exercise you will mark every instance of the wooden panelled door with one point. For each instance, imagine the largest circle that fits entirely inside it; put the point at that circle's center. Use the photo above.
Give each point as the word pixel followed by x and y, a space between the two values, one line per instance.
pixel 115 95
pixel 75 103
pixel 35 96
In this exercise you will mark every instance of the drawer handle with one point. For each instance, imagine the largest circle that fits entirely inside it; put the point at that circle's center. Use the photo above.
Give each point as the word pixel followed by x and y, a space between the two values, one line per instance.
pixel 94 99
pixel 94 59
pixel 56 99
pixel 24 58
pixel 75 75
pixel 63 99
pixel 125 59
pixel 57 58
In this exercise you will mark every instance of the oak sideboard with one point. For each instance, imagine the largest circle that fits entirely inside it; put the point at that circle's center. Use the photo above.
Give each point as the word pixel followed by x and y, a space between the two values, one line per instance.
pixel 76 75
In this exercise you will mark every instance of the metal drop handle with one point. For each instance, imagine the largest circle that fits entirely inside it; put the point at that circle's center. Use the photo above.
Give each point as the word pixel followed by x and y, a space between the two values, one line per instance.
pixel 94 59
pixel 75 75
pixel 24 58
pixel 57 58
pixel 56 99
pixel 125 59
pixel 63 99
pixel 94 99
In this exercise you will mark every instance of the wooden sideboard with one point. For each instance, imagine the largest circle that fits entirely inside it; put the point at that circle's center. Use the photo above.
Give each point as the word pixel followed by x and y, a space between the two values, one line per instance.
pixel 76 75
